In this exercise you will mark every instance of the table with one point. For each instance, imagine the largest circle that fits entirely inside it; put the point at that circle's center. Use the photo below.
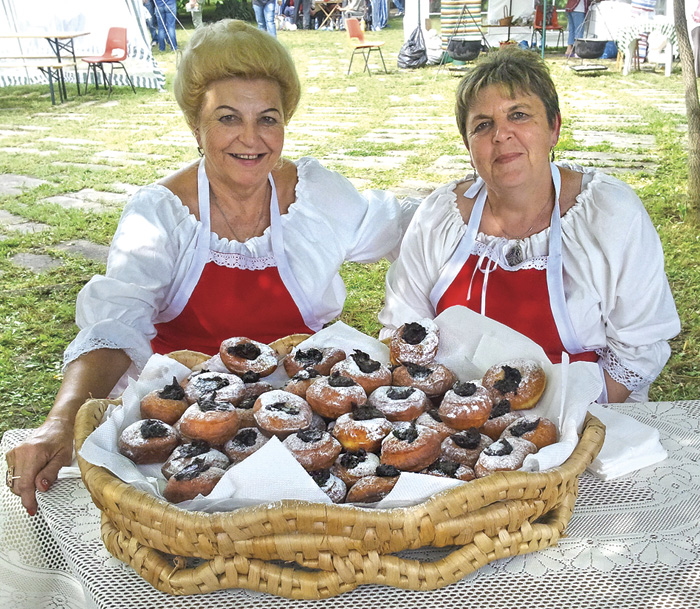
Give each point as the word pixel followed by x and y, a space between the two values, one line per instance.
pixel 331 12
pixel 632 542
pixel 63 48
pixel 627 40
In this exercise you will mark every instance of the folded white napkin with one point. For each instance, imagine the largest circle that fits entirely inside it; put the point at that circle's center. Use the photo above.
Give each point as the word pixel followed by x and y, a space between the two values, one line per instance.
pixel 629 444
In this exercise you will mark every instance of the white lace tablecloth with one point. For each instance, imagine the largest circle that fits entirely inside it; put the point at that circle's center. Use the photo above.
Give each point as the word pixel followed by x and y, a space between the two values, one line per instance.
pixel 633 542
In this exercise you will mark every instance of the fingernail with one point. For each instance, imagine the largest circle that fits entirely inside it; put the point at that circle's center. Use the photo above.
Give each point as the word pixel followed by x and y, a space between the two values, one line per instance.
pixel 45 483
pixel 31 512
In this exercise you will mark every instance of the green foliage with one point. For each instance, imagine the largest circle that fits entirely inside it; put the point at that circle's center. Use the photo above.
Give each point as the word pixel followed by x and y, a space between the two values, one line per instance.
pixel 234 9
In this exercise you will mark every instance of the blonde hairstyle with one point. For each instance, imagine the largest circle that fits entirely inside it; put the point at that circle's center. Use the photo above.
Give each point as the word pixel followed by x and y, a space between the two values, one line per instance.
pixel 516 70
pixel 229 48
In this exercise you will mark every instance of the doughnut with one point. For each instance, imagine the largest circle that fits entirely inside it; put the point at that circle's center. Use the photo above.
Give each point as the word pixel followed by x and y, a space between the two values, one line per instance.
pixel 253 386
pixel 148 441
pixel 320 359
pixel 501 416
pixel 415 342
pixel 300 382
pixel 538 430
pixel 331 396
pixel 365 371
pixel 318 422
pixel 244 444
pixel 209 420
pixel 313 448
pixel 410 447
pixel 371 489
pixel 363 428
pixel 333 486
pixel 466 405
pixel 241 355
pixel 503 455
pixel 431 418
pixel 244 410
pixel 197 478
pixel 445 468
pixel 399 403
pixel 228 387
pixel 353 465
pixel 520 381
pixel 167 405
pixel 186 453
pixel 281 413
pixel 434 380
pixel 465 446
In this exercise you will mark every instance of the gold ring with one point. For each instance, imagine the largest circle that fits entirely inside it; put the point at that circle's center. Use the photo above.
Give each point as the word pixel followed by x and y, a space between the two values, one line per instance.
pixel 10 476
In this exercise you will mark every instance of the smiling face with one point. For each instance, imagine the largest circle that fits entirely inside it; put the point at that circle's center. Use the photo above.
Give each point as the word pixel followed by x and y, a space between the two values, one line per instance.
pixel 509 138
pixel 241 130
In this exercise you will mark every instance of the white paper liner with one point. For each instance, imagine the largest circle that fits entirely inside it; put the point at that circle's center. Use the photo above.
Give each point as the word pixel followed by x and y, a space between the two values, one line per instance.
pixel 469 345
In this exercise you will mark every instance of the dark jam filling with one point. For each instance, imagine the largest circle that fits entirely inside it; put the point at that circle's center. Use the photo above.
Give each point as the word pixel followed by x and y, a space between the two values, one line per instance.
pixel 193 449
pixel 387 471
pixel 469 439
pixel 212 383
pixel 522 427
pixel 250 377
pixel 499 409
pixel 247 351
pixel 399 393
pixel 435 415
pixel 192 470
pixel 414 333
pixel 209 403
pixel 464 390
pixel 321 476
pixel 418 372
pixel 283 407
pixel 153 428
pixel 246 437
pixel 306 374
pixel 173 391
pixel 338 380
pixel 309 357
pixel 364 362
pixel 352 459
pixel 510 381
pixel 247 403
pixel 367 413
pixel 310 435
pixel 501 448
pixel 444 466
pixel 408 434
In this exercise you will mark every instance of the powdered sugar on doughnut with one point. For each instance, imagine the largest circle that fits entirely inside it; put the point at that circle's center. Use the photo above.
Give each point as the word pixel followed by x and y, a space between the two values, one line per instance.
pixel 490 458
pixel 375 430
pixel 421 353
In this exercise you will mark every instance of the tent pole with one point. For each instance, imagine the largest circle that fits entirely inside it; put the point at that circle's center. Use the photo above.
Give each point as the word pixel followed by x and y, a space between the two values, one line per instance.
pixel 544 25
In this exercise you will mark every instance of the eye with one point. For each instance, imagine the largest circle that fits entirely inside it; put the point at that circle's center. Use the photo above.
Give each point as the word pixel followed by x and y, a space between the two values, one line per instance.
pixel 269 120
pixel 480 126
pixel 518 115
pixel 228 118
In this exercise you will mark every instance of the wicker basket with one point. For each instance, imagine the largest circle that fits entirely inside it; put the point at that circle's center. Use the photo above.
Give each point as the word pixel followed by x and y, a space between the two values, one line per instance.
pixel 303 550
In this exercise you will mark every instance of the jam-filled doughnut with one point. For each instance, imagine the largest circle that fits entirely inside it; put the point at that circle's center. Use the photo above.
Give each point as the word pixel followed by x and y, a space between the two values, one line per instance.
pixel 466 405
pixel 282 413
pixel 371 489
pixel 434 379
pixel 166 404
pixel 186 453
pixel 506 454
pixel 538 430
pixel 244 444
pixel 253 386
pixel 353 465
pixel 321 359
pixel 444 468
pixel 301 381
pixel 520 381
pixel 331 396
pixel 399 403
pixel 431 418
pixel 228 387
pixel 313 448
pixel 241 355
pixel 330 484
pixel 465 446
pixel 365 371
pixel 501 416
pixel 410 447
pixel 244 410
pixel 415 342
pixel 197 478
pixel 363 428
pixel 148 441
pixel 210 420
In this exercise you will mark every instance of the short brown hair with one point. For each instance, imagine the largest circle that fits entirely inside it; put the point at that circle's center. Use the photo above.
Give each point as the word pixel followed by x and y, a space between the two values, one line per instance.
pixel 514 69
pixel 232 48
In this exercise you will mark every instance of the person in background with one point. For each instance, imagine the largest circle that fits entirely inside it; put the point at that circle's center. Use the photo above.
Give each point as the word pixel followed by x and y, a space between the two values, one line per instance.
pixel 265 16
pixel 575 14
pixel 305 7
pixel 399 4
pixel 151 21
pixel 195 10
pixel 566 256
pixel 166 14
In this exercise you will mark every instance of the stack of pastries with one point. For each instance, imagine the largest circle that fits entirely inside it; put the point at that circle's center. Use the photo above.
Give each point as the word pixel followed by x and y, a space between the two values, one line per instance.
pixel 352 422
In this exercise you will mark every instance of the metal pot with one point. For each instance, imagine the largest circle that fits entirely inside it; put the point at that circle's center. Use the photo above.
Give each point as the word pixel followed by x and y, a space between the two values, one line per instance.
pixel 462 49
pixel 589 48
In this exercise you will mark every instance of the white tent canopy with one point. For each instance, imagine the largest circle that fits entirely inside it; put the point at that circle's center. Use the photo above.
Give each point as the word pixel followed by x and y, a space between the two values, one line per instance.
pixel 94 16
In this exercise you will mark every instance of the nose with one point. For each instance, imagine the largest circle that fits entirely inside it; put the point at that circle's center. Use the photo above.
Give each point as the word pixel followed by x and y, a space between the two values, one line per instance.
pixel 503 130
pixel 249 133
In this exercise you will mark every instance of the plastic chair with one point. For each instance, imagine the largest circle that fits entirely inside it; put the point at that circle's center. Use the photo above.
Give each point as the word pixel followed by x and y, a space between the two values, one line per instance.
pixel 554 25
pixel 115 53
pixel 357 38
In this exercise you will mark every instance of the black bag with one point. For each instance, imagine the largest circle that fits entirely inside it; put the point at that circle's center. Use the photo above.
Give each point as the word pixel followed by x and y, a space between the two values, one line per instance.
pixel 413 53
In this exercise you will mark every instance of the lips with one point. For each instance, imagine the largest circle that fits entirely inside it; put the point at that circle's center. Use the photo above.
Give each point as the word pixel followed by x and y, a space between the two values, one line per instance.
pixel 507 158
pixel 246 157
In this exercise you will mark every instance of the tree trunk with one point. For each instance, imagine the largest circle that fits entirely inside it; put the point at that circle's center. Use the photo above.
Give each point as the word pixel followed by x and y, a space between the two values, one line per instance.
pixel 692 105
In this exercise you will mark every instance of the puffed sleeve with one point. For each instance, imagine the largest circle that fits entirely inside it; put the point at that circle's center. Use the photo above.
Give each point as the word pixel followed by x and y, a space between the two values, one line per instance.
pixel 149 251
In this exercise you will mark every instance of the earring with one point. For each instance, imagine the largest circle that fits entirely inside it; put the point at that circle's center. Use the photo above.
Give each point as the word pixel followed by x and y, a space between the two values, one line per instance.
pixel 552 156
pixel 200 150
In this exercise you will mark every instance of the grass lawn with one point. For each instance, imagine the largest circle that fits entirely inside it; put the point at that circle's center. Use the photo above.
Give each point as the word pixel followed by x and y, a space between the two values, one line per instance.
pixel 341 118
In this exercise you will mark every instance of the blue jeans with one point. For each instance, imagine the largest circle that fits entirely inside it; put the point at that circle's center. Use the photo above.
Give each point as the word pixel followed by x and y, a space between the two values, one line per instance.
pixel 575 26
pixel 399 5
pixel 265 16
pixel 166 12
pixel 151 21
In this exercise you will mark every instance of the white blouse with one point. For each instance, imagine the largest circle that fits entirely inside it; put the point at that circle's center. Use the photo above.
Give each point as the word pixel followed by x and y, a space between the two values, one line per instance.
pixel 616 289
pixel 154 244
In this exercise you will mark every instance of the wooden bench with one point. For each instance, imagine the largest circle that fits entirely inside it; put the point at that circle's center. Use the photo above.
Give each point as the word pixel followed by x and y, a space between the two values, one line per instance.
pixel 50 66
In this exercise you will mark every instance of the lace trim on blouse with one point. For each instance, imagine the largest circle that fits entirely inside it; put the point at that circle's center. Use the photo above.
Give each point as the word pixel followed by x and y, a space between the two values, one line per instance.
pixel 496 250
pixel 74 351
pixel 620 373
pixel 239 261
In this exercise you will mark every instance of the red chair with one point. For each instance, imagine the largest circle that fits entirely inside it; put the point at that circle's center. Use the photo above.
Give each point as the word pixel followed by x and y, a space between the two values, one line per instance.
pixel 357 39
pixel 551 26
pixel 115 53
